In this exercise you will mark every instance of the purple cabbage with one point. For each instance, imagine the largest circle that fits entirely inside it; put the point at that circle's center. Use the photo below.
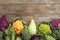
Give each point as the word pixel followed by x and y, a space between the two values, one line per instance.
pixel 55 23
pixel 3 23
pixel 35 37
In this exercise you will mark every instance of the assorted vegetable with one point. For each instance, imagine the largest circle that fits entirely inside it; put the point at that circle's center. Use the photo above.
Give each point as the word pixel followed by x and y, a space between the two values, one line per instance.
pixel 18 29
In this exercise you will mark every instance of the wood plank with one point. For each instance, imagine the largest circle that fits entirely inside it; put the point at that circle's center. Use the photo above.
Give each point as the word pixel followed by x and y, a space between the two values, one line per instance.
pixel 27 1
pixel 30 9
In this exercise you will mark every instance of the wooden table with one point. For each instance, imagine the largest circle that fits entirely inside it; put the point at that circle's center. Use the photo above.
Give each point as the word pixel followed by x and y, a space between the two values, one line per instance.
pixel 37 10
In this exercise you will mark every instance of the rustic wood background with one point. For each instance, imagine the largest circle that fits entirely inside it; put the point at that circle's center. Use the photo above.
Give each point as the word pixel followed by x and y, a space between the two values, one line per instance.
pixel 30 9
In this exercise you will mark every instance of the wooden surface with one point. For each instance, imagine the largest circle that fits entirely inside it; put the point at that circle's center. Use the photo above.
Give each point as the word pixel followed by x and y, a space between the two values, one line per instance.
pixel 30 9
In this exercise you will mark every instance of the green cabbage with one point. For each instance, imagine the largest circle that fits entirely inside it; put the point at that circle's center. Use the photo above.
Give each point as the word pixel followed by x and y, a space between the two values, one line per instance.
pixel 44 28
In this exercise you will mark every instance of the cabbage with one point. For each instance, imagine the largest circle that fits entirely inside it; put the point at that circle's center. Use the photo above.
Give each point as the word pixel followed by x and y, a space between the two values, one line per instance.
pixel 56 33
pixel 44 28
pixel 3 23
pixel 55 23
pixel 35 37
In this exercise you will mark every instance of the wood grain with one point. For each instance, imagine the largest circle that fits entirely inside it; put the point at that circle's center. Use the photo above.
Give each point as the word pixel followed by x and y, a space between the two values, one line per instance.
pixel 28 1
pixel 42 10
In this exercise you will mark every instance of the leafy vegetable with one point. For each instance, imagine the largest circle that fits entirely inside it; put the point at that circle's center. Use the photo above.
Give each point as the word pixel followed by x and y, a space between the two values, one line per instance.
pixel 25 33
pixel 9 33
pixel 1 35
pixel 32 27
pixel 3 23
pixel 55 23
pixel 48 37
pixel 35 37
pixel 56 33
pixel 44 28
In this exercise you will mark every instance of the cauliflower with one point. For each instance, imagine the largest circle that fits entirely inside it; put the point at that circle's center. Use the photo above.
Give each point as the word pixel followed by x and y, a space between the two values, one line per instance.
pixel 32 27
pixel 18 26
